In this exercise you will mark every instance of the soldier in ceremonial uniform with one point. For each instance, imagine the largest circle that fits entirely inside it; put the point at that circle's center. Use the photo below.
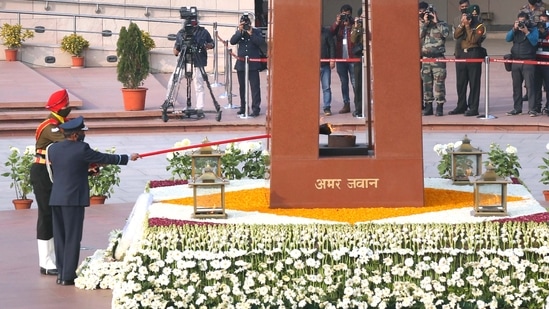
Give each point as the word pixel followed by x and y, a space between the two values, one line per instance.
pixel 47 133
pixel 70 162
pixel 469 35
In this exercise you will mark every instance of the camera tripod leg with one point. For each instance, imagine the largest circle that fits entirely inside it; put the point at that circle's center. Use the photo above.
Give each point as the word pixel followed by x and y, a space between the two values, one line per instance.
pixel 216 104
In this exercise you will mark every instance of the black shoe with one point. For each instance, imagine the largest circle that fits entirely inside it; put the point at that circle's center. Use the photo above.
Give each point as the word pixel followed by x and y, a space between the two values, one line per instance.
pixel 525 97
pixel 67 282
pixel 327 112
pixel 51 272
pixel 514 113
pixel 471 113
pixel 533 113
pixel 456 112
pixel 253 115
pixel 240 112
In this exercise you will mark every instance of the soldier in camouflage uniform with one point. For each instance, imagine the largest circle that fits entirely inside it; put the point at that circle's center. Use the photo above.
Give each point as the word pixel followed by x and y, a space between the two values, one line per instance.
pixel 432 33
pixel 534 9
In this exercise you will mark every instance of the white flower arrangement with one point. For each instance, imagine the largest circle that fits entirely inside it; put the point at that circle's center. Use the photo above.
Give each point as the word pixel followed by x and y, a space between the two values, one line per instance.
pixel 488 265
pixel 444 151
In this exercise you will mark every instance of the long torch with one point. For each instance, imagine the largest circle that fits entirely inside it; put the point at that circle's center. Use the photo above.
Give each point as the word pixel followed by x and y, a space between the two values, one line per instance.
pixel 227 141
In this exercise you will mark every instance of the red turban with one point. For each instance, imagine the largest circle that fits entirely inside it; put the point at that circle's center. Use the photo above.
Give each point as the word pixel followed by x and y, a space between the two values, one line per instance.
pixel 58 100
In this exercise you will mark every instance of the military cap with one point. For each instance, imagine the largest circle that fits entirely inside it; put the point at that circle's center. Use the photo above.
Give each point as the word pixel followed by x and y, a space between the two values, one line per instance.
pixel 76 124
pixel 58 100
pixel 473 10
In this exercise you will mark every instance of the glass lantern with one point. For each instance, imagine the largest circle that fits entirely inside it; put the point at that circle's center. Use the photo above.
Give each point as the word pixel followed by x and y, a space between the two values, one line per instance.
pixel 490 193
pixel 208 186
pixel 466 162
pixel 205 157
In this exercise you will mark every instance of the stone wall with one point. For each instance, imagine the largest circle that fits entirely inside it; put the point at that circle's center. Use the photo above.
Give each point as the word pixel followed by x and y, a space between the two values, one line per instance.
pixel 90 19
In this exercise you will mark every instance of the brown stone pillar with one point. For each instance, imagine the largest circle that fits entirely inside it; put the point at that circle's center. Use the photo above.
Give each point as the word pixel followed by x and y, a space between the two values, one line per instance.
pixel 393 175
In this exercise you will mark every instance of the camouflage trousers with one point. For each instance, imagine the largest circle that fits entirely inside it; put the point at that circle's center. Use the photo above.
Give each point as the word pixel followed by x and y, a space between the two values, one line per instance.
pixel 433 75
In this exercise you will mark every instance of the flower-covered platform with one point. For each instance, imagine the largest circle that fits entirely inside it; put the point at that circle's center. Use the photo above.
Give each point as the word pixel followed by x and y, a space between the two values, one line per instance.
pixel 437 256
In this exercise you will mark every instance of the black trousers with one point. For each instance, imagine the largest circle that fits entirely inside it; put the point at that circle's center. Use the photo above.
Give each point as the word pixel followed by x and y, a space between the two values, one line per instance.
pixel 253 77
pixel 41 186
pixel 68 223
pixel 358 87
pixel 523 73
pixel 468 74
pixel 541 79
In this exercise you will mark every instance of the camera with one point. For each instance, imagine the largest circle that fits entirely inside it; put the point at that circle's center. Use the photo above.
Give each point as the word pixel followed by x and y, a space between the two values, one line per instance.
pixel 346 18
pixel 190 15
pixel 247 22
pixel 521 24
pixel 430 10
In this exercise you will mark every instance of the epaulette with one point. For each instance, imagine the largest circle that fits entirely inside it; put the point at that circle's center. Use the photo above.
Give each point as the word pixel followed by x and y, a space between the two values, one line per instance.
pixel 43 125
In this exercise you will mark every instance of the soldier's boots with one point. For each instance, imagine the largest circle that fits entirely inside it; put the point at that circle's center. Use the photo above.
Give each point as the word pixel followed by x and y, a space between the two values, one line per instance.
pixel 439 111
pixel 346 109
pixel 428 110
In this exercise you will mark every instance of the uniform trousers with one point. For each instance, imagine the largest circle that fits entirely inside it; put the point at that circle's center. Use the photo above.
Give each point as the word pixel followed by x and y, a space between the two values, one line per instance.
pixel 541 80
pixel 523 73
pixel 468 74
pixel 253 77
pixel 68 223
pixel 41 186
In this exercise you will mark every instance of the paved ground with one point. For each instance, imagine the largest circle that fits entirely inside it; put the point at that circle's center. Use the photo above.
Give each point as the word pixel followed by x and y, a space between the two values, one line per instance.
pixel 22 287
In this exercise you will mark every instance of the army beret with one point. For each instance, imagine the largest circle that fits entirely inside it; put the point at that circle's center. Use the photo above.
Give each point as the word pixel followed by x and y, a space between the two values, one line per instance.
pixel 76 124
pixel 58 100
pixel 473 9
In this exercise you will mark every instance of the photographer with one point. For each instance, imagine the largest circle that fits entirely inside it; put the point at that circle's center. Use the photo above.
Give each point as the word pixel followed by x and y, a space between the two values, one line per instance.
pixel 524 37
pixel 250 42
pixel 433 34
pixel 194 40
pixel 356 38
pixel 469 34
pixel 341 29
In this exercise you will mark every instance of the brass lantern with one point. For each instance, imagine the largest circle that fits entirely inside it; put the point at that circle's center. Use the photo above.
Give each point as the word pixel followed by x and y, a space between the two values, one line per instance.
pixel 490 192
pixel 205 157
pixel 466 162
pixel 208 186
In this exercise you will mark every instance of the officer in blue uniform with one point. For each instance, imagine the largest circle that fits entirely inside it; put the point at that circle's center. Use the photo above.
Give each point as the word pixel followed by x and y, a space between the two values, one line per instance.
pixel 70 160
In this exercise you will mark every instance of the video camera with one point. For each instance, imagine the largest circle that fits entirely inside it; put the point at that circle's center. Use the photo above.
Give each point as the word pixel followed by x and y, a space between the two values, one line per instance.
pixel 190 15
pixel 247 22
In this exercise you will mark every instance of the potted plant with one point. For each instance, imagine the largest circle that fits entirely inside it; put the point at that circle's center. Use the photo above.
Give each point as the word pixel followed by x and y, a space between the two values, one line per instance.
pixel 545 172
pixel 75 44
pixel 19 165
pixel 102 182
pixel 132 49
pixel 505 161
pixel 13 37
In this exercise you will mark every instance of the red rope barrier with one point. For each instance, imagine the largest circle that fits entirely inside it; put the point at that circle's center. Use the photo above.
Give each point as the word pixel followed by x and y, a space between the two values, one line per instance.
pixel 535 62
pixel 429 60
pixel 227 141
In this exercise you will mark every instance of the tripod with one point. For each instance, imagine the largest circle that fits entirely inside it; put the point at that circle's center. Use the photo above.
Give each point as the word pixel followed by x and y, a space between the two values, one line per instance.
pixel 185 67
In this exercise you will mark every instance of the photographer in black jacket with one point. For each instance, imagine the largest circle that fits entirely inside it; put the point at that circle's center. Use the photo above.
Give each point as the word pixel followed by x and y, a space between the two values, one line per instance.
pixel 250 42
pixel 524 36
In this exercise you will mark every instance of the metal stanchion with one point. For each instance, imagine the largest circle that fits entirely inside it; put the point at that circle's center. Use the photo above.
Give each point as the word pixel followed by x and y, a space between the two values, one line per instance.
pixel 247 86
pixel 229 85
pixel 486 88
pixel 362 86
pixel 228 80
pixel 215 60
